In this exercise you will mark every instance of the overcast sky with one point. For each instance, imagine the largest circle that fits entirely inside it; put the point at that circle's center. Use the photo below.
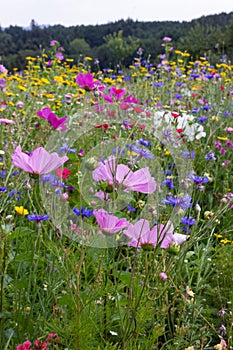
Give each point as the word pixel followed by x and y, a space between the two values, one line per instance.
pixel 76 12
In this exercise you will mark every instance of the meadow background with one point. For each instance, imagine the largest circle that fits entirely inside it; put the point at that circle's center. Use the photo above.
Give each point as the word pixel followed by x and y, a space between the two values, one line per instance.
pixel 80 269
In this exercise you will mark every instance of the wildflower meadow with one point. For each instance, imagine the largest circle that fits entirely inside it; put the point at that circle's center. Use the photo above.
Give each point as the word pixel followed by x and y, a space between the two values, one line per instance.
pixel 116 200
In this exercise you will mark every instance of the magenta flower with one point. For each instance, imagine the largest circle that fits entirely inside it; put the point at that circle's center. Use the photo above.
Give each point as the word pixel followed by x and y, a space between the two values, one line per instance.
pixel 167 39
pixel 53 42
pixel 140 180
pixel 141 235
pixel 85 81
pixel 109 223
pixel 56 123
pixel 117 93
pixel 25 346
pixel 6 121
pixel 38 162
pixel 59 56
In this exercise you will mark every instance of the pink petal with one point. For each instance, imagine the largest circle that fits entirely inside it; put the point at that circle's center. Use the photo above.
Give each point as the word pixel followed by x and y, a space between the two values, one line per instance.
pixel 140 181
pixel 21 160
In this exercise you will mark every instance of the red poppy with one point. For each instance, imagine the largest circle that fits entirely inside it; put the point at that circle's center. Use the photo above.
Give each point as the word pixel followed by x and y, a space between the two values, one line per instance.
pixel 105 126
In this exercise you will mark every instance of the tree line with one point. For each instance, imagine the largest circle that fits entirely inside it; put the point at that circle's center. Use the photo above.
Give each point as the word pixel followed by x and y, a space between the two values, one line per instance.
pixel 119 41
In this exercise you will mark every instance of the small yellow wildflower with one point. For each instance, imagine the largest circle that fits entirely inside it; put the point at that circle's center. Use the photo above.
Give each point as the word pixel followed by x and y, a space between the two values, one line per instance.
pixel 21 210
pixel 225 241
pixel 222 138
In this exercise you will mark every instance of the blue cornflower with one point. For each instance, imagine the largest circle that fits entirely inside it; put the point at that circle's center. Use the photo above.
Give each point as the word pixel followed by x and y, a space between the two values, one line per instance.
pixel 2 173
pixel 195 110
pixel 83 212
pixel 182 202
pixel 141 151
pixel 144 142
pixel 202 119
pixel 178 96
pixel 15 194
pixel 199 179
pixel 195 76
pixel 37 218
pixel 168 182
pixel 210 156
pixel 158 84
pixel 118 151
pixel 15 173
pixel 189 221
pixel 65 148
pixel 131 208
pixel 47 177
pixel 188 155
pixel 167 172
pixel 185 230
pixel 3 189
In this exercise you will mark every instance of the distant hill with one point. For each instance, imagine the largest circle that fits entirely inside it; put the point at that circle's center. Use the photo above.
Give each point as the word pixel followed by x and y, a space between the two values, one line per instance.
pixel 112 42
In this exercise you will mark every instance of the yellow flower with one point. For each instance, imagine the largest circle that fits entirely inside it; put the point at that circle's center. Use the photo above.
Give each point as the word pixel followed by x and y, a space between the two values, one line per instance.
pixel 222 138
pixel 225 241
pixel 21 210
pixel 217 235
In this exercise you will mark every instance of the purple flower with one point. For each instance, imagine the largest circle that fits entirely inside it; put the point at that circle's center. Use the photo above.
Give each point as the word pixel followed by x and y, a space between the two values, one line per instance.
pixel 144 142
pixel 83 212
pixel 188 155
pixel 37 218
pixel 179 202
pixel 168 182
pixel 210 156
pixel 65 148
pixel 189 221
pixel 198 179
pixel 141 151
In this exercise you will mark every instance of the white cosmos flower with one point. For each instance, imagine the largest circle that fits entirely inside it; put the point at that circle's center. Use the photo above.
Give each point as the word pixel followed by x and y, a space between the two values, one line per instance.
pixel 185 122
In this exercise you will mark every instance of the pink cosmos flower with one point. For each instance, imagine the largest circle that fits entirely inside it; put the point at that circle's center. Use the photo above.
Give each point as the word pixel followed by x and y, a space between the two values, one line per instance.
pixel 109 223
pixel 141 235
pixel 6 121
pixel 117 93
pixel 56 123
pixel 86 81
pixel 140 180
pixel 38 162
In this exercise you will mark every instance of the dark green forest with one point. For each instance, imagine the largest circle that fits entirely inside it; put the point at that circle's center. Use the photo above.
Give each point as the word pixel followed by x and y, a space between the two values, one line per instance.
pixel 118 42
